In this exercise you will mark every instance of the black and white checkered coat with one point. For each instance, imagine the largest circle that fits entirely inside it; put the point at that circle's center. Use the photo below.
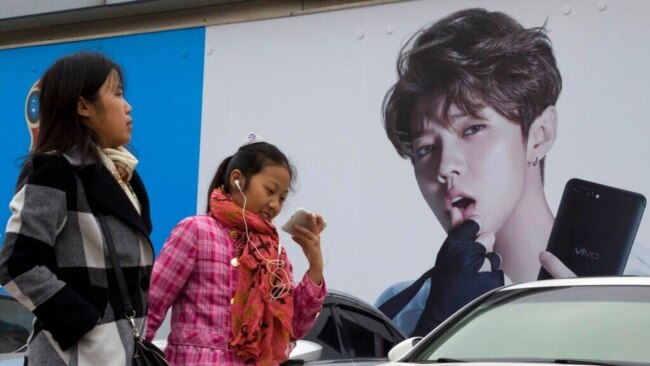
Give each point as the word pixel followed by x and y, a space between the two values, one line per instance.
pixel 55 262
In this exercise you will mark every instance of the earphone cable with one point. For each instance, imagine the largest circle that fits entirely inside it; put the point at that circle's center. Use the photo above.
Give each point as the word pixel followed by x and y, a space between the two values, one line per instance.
pixel 280 284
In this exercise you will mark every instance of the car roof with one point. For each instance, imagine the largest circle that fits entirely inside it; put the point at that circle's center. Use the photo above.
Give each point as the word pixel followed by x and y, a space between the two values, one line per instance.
pixel 584 281
pixel 336 295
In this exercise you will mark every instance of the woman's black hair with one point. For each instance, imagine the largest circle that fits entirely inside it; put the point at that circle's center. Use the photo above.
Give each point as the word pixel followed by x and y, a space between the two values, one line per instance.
pixel 75 76
pixel 249 159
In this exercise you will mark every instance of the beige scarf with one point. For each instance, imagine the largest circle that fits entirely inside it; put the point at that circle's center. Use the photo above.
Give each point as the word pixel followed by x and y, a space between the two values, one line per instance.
pixel 121 163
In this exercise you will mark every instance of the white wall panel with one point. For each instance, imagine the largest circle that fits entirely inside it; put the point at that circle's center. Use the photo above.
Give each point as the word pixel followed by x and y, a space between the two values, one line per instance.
pixel 313 85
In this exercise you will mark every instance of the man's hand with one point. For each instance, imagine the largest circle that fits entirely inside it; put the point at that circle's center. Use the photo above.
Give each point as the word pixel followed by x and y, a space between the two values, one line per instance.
pixel 467 249
pixel 554 266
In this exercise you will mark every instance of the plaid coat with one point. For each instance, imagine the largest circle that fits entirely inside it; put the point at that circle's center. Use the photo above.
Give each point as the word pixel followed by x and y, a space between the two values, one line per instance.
pixel 195 275
pixel 54 260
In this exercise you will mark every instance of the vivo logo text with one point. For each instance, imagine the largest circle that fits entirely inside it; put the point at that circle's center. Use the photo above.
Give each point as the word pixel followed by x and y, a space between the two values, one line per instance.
pixel 585 253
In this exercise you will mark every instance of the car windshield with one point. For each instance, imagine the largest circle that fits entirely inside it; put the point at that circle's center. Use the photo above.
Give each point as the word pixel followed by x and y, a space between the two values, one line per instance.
pixel 607 324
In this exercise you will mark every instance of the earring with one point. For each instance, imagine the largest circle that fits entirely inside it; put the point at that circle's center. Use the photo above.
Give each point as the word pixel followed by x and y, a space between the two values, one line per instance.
pixel 533 163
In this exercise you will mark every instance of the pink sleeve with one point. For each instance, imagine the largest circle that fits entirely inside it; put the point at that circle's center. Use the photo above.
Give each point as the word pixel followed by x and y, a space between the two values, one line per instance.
pixel 170 272
pixel 308 302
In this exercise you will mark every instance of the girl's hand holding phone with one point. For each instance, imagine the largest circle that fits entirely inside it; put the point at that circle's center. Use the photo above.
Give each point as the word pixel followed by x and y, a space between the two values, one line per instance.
pixel 308 237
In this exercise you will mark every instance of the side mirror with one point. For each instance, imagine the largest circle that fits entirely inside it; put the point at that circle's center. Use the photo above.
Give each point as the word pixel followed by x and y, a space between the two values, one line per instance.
pixel 402 348
pixel 306 351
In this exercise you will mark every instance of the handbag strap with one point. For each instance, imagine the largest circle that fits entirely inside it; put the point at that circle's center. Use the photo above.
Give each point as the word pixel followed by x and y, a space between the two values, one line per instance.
pixel 119 274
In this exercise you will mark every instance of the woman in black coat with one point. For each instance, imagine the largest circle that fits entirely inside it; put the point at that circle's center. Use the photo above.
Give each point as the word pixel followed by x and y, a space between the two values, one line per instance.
pixel 54 258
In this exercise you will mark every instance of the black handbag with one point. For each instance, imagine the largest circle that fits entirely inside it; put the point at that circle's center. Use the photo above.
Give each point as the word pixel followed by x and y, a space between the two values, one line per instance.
pixel 145 353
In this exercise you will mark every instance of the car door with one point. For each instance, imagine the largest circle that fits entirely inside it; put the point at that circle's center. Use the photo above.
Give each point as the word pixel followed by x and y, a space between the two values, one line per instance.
pixel 364 334
pixel 326 332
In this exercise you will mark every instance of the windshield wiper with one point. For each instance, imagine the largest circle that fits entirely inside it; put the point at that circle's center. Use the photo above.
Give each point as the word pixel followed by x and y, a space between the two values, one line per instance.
pixel 561 361
pixel 438 360
pixel 445 360
pixel 566 361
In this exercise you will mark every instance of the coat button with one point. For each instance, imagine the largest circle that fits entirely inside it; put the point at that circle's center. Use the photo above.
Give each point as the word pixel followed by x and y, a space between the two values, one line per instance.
pixel 234 262
pixel 232 301
pixel 234 234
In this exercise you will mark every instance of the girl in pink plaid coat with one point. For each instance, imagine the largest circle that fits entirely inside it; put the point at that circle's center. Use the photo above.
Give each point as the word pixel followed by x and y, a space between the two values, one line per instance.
pixel 225 276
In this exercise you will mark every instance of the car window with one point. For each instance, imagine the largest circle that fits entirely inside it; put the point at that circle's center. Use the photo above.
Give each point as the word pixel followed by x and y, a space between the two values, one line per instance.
pixel 598 323
pixel 15 325
pixel 366 334
pixel 324 333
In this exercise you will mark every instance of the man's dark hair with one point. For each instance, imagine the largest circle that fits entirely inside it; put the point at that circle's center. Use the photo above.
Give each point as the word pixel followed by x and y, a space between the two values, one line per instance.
pixel 473 59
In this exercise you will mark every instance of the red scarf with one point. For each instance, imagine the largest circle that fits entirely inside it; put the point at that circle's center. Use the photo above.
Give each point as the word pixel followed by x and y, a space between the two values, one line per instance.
pixel 261 327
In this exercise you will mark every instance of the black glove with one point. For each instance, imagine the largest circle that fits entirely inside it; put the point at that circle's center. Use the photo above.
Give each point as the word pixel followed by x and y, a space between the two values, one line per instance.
pixel 456 280
pixel 460 253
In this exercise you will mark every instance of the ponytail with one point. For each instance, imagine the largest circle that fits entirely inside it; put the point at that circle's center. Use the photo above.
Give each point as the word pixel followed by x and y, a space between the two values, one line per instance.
pixel 219 180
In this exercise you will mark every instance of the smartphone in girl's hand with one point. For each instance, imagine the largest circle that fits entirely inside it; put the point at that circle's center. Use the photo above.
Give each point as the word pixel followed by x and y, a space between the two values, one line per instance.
pixel 300 217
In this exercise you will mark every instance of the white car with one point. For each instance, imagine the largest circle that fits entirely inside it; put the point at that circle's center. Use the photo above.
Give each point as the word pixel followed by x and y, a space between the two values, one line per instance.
pixel 579 321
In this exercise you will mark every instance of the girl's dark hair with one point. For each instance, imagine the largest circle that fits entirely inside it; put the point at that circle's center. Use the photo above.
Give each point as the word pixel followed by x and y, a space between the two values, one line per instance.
pixel 63 84
pixel 473 58
pixel 249 159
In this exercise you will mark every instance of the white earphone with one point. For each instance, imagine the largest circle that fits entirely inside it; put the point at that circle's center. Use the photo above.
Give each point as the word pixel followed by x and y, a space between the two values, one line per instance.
pixel 274 266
